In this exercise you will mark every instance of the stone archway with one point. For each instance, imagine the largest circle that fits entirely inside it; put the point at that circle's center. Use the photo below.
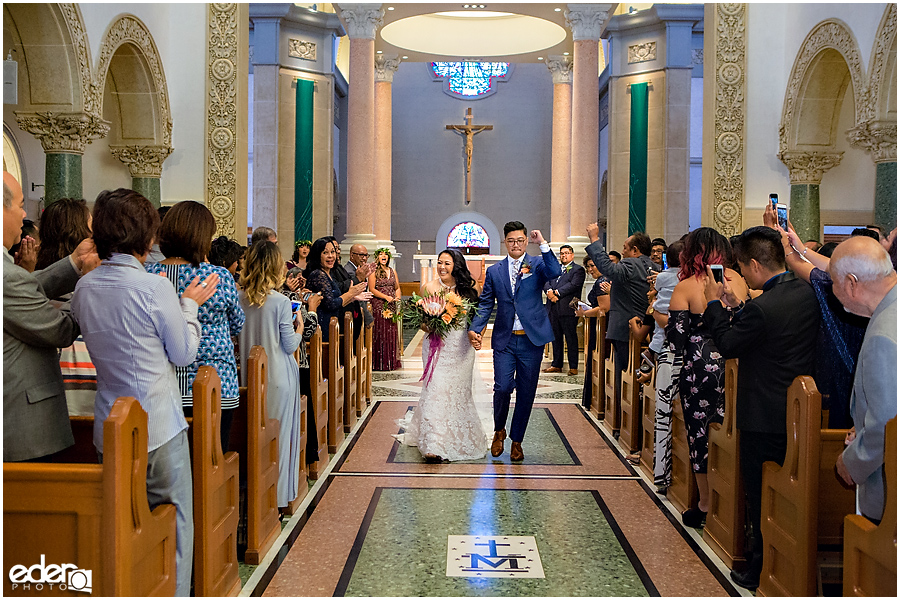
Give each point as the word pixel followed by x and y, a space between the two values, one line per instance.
pixel 131 92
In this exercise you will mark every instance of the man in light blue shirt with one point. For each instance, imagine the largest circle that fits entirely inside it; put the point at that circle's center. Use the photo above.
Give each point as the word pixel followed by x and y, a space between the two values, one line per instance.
pixel 136 330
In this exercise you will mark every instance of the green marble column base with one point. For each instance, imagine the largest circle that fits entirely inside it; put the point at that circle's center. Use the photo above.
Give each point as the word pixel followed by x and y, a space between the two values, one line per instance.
pixel 62 177
pixel 148 187
pixel 804 213
pixel 886 195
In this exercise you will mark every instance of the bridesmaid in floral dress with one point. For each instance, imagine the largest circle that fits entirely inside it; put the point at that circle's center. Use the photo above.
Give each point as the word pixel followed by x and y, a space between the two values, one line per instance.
pixel 385 288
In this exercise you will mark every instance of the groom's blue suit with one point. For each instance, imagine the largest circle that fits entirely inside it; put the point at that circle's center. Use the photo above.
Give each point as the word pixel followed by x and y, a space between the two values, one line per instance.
pixel 517 357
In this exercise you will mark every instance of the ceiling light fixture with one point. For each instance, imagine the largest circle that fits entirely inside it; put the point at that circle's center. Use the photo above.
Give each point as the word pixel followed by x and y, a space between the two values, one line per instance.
pixel 405 57
pixel 565 53
pixel 379 52
pixel 390 8
pixel 557 9
pixel 540 58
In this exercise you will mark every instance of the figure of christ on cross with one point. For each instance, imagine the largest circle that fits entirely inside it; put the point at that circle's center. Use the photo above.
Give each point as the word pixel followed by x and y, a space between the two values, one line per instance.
pixel 469 131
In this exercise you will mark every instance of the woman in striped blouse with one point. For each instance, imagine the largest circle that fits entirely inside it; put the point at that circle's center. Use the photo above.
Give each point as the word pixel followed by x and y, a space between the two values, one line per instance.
pixel 185 238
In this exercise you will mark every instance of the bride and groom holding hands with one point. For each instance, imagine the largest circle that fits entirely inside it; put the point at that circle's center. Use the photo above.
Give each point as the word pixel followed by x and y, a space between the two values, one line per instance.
pixel 446 424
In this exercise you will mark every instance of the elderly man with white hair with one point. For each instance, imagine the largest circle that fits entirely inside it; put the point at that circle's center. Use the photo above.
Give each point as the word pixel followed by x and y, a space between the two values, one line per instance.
pixel 866 284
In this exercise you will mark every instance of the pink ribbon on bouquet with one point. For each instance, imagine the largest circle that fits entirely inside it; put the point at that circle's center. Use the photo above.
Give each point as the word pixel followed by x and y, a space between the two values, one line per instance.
pixel 435 343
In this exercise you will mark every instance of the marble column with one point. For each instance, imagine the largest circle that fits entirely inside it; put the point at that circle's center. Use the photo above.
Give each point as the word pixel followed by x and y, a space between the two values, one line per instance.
pixel 561 151
pixel 586 22
pixel 63 137
pixel 879 139
pixel 806 171
pixel 145 165
pixel 362 22
pixel 385 67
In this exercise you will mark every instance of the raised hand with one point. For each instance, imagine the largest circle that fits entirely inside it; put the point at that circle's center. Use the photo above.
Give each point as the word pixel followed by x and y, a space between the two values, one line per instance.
pixel 26 257
pixel 314 301
pixel 535 237
pixel 293 282
pixel 593 231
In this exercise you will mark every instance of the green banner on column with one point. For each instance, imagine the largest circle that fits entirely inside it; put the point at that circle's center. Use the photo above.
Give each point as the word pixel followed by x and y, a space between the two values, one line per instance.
pixel 303 161
pixel 637 172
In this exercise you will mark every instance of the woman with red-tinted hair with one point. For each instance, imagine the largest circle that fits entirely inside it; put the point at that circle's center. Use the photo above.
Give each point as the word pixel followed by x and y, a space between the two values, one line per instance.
pixel 701 382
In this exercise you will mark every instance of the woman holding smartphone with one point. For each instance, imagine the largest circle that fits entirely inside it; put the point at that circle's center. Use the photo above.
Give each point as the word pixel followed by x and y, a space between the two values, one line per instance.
pixel 701 381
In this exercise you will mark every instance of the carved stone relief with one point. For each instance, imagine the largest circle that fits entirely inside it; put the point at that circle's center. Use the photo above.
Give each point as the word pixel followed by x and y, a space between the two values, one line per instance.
pixel 130 29
pixel 697 57
pixel 807 168
pixel 72 15
pixel 221 114
pixel 881 63
pixel 833 34
pixel 586 21
pixel 63 132
pixel 362 19
pixel 385 67
pixel 876 137
pixel 639 53
pixel 560 68
pixel 302 49
pixel 142 161
pixel 730 106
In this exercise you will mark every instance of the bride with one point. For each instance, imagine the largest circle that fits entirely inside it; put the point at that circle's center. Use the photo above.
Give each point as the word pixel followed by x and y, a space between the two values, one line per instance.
pixel 446 425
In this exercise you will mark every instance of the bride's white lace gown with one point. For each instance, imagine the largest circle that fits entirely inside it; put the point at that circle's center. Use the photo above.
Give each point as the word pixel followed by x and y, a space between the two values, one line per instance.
pixel 446 422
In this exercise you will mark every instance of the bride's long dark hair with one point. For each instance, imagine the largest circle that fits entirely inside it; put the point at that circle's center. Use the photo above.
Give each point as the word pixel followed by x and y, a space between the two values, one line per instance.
pixel 465 284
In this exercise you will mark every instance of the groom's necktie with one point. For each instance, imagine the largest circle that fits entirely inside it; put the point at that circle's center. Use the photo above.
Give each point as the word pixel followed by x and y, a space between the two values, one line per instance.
pixel 513 274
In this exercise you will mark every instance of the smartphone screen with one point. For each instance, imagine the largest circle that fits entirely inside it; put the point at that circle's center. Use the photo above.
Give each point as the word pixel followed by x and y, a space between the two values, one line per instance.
pixel 306 296
pixel 295 306
pixel 665 262
pixel 781 210
pixel 718 272
pixel 773 198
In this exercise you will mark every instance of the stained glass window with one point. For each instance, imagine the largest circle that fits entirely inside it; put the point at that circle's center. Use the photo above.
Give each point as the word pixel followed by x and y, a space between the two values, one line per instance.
pixel 468 235
pixel 470 79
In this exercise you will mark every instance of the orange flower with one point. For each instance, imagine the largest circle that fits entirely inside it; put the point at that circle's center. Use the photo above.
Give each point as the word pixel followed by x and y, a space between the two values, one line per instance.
pixel 387 314
pixel 446 318
pixel 454 298
pixel 451 310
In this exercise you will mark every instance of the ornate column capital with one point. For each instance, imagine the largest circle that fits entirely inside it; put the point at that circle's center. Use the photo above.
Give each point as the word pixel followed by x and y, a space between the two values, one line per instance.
pixel 807 168
pixel 385 67
pixel 142 161
pixel 876 137
pixel 587 20
pixel 362 19
pixel 66 133
pixel 560 68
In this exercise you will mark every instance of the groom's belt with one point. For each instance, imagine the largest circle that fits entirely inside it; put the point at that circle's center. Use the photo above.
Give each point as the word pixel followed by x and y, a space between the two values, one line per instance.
pixel 519 332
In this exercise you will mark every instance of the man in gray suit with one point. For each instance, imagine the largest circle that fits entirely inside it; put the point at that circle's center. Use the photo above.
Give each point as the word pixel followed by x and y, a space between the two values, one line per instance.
pixel 866 284
pixel 35 417
pixel 359 269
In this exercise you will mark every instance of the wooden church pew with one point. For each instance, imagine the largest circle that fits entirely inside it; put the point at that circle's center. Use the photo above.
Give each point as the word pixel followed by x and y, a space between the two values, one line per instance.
pixel 318 403
pixel 724 531
pixel 598 370
pixel 611 395
pixel 802 502
pixel 332 366
pixel 363 370
pixel 351 374
pixel 303 470
pixel 870 551
pixel 682 493
pixel 93 516
pixel 215 494
pixel 648 424
pixel 255 438
pixel 630 421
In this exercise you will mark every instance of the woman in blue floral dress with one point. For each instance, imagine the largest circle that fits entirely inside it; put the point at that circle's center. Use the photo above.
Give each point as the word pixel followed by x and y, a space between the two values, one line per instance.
pixel 701 382
pixel 185 237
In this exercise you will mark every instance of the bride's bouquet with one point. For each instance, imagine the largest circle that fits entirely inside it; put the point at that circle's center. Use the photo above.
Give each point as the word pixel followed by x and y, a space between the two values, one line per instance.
pixel 439 313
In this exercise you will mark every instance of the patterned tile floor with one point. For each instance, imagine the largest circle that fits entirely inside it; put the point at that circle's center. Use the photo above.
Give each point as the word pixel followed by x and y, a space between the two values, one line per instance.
pixel 378 522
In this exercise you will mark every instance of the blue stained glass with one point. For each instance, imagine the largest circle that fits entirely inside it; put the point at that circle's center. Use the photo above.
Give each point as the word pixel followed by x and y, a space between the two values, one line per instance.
pixel 468 235
pixel 469 79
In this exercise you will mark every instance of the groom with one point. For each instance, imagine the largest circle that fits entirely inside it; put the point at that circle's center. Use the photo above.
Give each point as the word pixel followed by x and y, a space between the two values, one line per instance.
pixel 521 329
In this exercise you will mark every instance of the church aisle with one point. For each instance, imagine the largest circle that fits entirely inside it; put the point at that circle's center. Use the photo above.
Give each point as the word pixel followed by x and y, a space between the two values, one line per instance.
pixel 574 519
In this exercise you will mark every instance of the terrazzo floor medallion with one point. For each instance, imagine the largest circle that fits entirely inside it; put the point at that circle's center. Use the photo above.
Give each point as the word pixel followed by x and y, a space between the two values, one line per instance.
pixel 573 519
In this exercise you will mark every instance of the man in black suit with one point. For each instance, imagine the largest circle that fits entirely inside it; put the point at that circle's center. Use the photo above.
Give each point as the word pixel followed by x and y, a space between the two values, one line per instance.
pixel 560 292
pixel 774 337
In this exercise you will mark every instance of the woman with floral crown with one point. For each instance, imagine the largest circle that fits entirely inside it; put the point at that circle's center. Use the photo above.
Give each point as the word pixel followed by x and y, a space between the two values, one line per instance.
pixel 385 288
pixel 446 425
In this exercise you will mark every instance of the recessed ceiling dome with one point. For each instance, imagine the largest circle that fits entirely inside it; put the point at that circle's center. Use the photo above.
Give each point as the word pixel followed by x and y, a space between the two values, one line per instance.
pixel 477 34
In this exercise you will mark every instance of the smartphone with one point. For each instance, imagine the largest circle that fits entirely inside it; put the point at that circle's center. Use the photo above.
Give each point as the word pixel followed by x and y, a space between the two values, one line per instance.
pixel 295 306
pixel 665 262
pixel 718 272
pixel 781 211
pixel 773 198
pixel 306 296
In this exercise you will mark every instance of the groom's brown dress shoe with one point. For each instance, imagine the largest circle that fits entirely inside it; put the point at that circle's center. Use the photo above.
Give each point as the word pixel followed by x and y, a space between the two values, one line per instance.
pixel 552 370
pixel 497 444
pixel 515 453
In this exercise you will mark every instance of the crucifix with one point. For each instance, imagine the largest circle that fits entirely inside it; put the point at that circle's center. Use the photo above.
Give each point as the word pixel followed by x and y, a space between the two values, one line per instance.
pixel 469 131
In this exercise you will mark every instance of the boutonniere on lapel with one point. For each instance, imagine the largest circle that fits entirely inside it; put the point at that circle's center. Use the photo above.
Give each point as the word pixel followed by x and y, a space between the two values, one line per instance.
pixel 567 268
pixel 525 269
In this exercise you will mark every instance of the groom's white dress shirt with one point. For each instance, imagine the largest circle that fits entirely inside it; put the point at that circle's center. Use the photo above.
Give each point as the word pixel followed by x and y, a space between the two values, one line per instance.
pixel 515 266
